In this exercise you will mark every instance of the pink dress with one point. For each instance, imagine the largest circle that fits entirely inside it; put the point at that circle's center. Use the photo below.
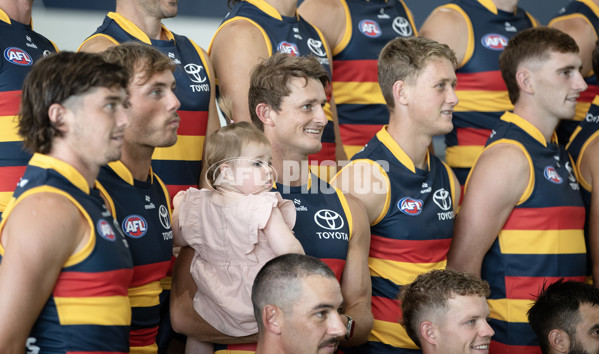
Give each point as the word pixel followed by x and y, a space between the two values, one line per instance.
pixel 230 248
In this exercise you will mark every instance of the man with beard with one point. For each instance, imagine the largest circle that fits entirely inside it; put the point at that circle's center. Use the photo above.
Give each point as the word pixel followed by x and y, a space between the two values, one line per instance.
pixel 565 318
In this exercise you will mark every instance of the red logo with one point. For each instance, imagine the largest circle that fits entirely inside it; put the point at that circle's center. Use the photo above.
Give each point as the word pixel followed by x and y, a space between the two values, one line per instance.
pixel 410 206
pixel 135 226
pixel 370 28
pixel 494 41
pixel 289 48
pixel 18 56
pixel 552 176
pixel 105 230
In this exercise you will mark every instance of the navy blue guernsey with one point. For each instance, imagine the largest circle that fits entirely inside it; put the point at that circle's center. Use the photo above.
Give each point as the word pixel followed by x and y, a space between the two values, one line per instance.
pixel 179 165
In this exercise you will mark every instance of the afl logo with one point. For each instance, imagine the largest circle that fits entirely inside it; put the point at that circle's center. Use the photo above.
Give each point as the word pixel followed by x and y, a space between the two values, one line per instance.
pixel 370 28
pixel 135 226
pixel 494 41
pixel 328 219
pixel 410 206
pixel 18 56
pixel 552 175
pixel 105 230
pixel 288 48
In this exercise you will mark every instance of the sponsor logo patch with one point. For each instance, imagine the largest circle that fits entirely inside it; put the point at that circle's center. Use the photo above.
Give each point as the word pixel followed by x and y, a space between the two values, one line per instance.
pixel 402 26
pixel 494 41
pixel 410 206
pixel 552 176
pixel 135 226
pixel 288 48
pixel 370 28
pixel 329 219
pixel 18 56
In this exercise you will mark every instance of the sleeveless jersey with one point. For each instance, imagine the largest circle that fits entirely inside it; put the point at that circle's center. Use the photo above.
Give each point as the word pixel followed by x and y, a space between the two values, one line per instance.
pixel 142 209
pixel 411 236
pixel 360 104
pixel 180 164
pixel 88 310
pixel 588 11
pixel 294 36
pixel 541 241
pixel 481 90
pixel 323 226
pixel 20 47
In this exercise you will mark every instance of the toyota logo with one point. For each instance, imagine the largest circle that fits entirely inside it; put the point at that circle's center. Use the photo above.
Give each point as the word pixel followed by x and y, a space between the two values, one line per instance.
pixel 442 199
pixel 165 219
pixel 195 73
pixel 402 26
pixel 316 47
pixel 328 219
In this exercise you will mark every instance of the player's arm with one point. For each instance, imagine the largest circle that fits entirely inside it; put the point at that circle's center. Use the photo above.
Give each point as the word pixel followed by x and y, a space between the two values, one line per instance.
pixel 184 318
pixel 355 281
pixel 496 184
pixel 235 50
pixel 279 236
pixel 332 25
pixel 213 120
pixel 589 170
pixel 447 26
pixel 41 233
pixel 584 35
pixel 458 194
pixel 368 183
pixel 96 44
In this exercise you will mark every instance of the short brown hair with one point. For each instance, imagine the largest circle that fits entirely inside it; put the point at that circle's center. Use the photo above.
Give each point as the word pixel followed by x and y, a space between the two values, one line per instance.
pixel 137 56
pixel 402 59
pixel 535 43
pixel 430 292
pixel 269 81
pixel 55 79
pixel 227 142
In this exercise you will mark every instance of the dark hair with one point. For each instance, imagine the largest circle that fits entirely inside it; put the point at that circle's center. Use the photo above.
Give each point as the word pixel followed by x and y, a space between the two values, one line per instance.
pixel 231 3
pixel 279 281
pixel 557 307
pixel 430 292
pixel 139 57
pixel 54 79
pixel 531 44
pixel 269 81
pixel 404 59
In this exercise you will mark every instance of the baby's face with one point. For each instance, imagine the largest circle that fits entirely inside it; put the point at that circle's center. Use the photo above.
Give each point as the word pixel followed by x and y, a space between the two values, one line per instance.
pixel 252 172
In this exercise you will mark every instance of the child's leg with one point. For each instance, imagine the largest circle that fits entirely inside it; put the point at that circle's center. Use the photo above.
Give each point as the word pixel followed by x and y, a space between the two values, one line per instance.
pixel 194 346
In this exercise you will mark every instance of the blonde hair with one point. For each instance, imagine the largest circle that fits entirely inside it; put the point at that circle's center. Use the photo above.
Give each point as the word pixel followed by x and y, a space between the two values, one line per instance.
pixel 227 142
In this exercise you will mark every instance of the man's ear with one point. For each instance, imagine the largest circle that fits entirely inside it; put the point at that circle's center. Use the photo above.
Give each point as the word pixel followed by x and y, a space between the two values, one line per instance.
pixel 56 113
pixel 525 81
pixel 272 318
pixel 428 332
pixel 559 340
pixel 400 93
pixel 264 113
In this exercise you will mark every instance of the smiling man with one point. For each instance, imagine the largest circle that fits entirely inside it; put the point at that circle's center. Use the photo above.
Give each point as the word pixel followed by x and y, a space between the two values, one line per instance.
pixel 565 318
pixel 297 301
pixel 409 194
pixel 445 311
pixel 521 222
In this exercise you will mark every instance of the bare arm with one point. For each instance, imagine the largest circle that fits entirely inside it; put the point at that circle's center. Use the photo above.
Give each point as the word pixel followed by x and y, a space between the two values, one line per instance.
pixel 355 281
pixel 279 236
pixel 41 233
pixel 96 44
pixel 498 180
pixel 449 27
pixel 589 170
pixel 236 49
pixel 213 120
pixel 584 35
pixel 184 318
pixel 458 191
pixel 367 183
pixel 332 25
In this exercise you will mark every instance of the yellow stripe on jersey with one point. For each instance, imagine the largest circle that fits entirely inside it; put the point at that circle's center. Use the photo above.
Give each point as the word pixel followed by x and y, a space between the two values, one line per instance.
pixel 148 349
pixel 462 156
pixel 400 272
pixel 145 295
pixel 511 310
pixel 99 310
pixel 358 93
pixel 166 282
pixel 9 129
pixel 542 241
pixel 581 110
pixel 188 148
pixel 391 333
pixel 483 101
